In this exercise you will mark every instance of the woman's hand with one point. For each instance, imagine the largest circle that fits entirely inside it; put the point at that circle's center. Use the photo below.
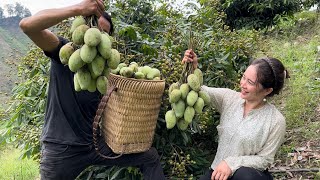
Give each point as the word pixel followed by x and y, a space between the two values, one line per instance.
pixel 190 56
pixel 221 172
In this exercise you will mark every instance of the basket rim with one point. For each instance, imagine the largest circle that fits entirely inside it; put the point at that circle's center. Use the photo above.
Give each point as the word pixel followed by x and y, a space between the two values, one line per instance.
pixel 139 80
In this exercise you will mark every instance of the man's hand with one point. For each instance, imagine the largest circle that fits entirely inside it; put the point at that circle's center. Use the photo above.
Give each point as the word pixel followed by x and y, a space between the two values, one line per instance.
pixel 90 7
pixel 221 172
pixel 190 56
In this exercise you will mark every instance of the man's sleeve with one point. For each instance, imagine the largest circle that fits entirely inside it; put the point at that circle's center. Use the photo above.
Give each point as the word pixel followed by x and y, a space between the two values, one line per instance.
pixel 54 55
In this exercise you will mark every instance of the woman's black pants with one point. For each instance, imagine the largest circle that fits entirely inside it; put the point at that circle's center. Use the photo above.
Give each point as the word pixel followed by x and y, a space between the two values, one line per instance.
pixel 243 173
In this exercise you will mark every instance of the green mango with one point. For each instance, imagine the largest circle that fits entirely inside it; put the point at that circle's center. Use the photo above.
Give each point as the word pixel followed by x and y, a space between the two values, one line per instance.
pixel 92 37
pixel 75 62
pixel 78 34
pixel 102 83
pixel 170 119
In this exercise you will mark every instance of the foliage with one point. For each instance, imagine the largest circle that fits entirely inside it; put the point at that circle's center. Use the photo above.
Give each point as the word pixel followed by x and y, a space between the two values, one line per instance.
pixel 309 3
pixel 27 109
pixel 224 53
pixel 111 173
pixel 291 26
pixel 16 9
pixel 156 36
pixel 1 12
pixel 257 14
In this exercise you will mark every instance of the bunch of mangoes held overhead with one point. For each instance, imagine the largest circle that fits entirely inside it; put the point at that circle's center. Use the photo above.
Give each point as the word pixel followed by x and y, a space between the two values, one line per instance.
pixel 89 55
pixel 186 100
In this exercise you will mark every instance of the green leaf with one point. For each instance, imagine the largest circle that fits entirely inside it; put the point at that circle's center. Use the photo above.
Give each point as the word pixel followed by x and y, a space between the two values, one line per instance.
pixel 116 174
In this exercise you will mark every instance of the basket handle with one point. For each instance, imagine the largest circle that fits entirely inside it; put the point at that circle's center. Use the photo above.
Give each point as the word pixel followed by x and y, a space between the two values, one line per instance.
pixel 97 119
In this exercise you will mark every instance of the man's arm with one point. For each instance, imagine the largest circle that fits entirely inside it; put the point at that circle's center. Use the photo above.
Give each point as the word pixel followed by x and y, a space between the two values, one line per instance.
pixel 36 26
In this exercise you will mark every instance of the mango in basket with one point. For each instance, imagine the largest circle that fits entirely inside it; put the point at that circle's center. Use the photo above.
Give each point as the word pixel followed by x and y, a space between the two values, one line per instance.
pixel 115 71
pixel 126 72
pixel 121 65
pixel 139 75
pixel 154 72
pixel 145 69
pixel 134 66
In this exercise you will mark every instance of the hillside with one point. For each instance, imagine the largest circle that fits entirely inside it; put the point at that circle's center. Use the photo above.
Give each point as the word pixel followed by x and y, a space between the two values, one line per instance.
pixel 14 44
pixel 298 48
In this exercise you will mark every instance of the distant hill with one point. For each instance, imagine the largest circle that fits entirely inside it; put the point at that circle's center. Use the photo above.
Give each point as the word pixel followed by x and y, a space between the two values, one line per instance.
pixel 13 45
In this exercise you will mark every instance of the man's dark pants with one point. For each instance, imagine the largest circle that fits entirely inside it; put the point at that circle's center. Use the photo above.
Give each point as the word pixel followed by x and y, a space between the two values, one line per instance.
pixel 65 162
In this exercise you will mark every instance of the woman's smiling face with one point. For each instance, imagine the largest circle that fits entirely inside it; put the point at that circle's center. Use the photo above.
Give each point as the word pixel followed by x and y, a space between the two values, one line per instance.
pixel 251 89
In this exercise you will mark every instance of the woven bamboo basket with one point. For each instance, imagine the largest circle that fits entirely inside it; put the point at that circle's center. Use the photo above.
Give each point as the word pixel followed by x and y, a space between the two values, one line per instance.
pixel 130 113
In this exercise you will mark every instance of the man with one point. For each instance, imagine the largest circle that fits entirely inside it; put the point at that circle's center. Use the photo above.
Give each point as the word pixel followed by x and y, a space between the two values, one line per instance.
pixel 67 145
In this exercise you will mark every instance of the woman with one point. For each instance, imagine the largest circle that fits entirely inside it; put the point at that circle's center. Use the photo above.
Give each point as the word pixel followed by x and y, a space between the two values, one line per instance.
pixel 251 129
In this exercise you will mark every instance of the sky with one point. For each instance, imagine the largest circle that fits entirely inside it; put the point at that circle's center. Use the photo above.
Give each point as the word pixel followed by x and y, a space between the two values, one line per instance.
pixel 37 5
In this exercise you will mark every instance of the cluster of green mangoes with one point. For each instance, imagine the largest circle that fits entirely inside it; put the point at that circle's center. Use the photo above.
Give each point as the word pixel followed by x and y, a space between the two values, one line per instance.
pixel 133 70
pixel 90 56
pixel 186 100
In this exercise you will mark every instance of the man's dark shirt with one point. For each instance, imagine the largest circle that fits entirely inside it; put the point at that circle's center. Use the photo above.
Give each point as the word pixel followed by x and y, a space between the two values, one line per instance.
pixel 69 114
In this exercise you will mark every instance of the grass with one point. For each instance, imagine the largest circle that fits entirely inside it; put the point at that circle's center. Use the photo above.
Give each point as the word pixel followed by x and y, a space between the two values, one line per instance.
pixel 300 100
pixel 12 167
